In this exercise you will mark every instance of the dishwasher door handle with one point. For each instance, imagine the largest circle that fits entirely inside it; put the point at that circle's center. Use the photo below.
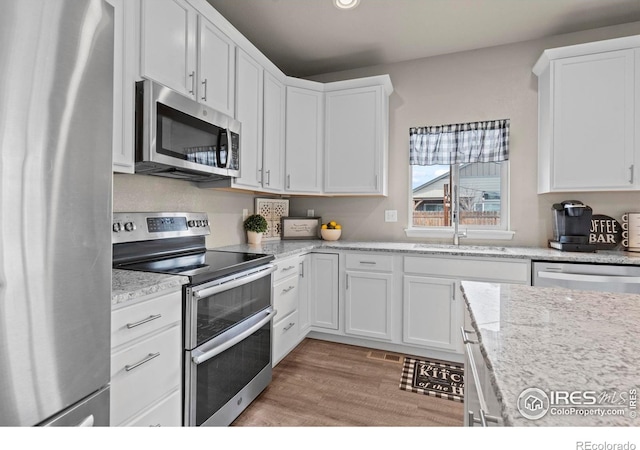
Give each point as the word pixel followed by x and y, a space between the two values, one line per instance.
pixel 588 278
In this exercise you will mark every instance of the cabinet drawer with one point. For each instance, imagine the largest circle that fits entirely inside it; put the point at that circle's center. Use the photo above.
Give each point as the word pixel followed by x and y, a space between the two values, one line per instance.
pixel 285 336
pixel 285 296
pixel 365 261
pixel 286 267
pixel 167 413
pixel 503 270
pixel 136 320
pixel 138 378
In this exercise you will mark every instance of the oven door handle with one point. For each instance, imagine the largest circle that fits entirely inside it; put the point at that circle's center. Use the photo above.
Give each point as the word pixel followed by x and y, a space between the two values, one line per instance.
pixel 206 352
pixel 207 292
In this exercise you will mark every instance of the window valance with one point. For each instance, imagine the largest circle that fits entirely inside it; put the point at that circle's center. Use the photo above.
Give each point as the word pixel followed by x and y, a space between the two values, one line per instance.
pixel 459 143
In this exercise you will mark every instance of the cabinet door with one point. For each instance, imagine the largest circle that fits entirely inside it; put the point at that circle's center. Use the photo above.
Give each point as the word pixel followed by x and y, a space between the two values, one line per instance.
pixel 273 134
pixel 168 47
pixel 324 302
pixel 593 126
pixel 354 141
pixel 249 112
pixel 304 140
pixel 124 77
pixel 368 304
pixel 429 313
pixel 304 294
pixel 216 68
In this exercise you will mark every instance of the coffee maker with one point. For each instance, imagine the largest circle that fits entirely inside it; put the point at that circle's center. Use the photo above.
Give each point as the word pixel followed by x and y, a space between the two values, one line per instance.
pixel 571 227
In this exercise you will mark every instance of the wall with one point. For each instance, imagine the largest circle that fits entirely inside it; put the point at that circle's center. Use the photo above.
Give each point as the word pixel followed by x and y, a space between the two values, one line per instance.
pixel 153 193
pixel 490 83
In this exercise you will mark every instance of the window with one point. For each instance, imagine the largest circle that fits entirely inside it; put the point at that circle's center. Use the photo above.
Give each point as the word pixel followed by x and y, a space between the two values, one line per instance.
pixel 460 168
pixel 480 187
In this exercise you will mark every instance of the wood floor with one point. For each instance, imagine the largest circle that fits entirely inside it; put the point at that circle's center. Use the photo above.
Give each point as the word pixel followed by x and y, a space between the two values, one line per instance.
pixel 327 384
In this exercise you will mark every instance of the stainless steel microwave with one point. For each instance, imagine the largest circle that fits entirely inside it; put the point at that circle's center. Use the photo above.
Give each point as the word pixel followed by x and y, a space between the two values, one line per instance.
pixel 178 137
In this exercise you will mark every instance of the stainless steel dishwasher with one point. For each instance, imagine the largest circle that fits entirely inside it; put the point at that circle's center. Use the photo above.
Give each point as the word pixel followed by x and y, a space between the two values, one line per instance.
pixel 592 277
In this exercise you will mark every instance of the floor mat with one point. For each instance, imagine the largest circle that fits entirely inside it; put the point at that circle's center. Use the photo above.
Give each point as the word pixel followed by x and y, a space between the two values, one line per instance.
pixel 437 379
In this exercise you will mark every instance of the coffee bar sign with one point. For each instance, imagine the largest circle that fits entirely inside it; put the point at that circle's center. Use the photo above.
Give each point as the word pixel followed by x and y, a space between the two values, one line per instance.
pixel 605 233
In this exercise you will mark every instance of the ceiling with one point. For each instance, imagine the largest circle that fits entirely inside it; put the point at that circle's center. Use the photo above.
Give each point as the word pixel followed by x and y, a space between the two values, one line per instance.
pixel 311 37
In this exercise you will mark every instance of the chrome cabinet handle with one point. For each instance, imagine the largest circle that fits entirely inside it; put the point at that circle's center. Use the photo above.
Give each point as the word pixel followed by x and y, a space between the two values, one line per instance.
pixel 371 263
pixel 631 174
pixel 259 177
pixel 140 322
pixel 192 75
pixel 204 95
pixel 286 269
pixel 483 420
pixel 268 177
pixel 465 339
pixel 288 181
pixel 149 357
pixel 288 327
pixel 284 291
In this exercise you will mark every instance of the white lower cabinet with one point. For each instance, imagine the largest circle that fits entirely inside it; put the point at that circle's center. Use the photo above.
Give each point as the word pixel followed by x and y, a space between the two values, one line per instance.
pixel 304 293
pixel 285 301
pixel 146 362
pixel 369 295
pixel 430 312
pixel 324 285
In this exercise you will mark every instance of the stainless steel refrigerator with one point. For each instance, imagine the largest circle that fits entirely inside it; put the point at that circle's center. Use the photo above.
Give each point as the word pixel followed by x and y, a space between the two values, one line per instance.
pixel 56 96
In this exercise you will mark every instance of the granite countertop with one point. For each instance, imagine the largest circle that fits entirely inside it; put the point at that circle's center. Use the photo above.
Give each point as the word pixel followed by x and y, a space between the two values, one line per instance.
pixel 282 249
pixel 128 285
pixel 556 340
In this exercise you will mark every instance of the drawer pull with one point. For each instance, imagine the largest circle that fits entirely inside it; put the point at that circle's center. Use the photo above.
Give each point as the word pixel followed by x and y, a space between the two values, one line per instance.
pixel 371 263
pixel 286 269
pixel 149 357
pixel 148 319
pixel 284 291
pixel 288 327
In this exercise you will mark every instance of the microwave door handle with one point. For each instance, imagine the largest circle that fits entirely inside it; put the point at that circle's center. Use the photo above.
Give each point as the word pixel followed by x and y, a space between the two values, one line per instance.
pixel 204 354
pixel 222 136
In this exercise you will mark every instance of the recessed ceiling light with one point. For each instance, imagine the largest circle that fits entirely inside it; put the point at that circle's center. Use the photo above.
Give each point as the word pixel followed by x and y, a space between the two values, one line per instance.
pixel 346 4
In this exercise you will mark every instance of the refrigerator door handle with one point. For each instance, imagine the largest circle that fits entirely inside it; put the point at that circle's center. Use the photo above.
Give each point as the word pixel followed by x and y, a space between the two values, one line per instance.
pixel 87 421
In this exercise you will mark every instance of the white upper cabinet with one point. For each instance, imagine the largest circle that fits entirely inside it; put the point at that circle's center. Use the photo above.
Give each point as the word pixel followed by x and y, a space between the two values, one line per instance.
pixel 124 77
pixel 273 134
pixel 186 52
pixel 216 68
pixel 589 133
pixel 303 147
pixel 249 101
pixel 168 44
pixel 356 140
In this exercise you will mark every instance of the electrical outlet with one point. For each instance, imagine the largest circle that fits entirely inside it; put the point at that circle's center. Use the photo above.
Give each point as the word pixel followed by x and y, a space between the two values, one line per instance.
pixel 391 215
pixel 245 214
pixel 310 213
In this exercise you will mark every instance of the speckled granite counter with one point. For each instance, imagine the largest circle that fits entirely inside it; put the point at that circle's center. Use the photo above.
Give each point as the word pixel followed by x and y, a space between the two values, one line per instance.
pixel 281 249
pixel 558 340
pixel 129 285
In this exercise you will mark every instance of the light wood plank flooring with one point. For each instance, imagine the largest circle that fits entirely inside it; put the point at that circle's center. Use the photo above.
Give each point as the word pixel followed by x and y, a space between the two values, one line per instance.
pixel 327 384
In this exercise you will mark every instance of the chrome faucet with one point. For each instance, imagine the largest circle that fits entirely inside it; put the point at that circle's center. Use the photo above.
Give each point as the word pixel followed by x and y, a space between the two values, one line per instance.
pixel 456 218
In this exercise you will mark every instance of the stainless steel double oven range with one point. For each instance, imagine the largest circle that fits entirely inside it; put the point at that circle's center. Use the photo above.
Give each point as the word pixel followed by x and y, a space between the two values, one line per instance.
pixel 227 309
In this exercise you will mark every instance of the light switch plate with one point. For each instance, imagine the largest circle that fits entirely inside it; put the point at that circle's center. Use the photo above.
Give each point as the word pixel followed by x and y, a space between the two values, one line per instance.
pixel 391 215
pixel 311 213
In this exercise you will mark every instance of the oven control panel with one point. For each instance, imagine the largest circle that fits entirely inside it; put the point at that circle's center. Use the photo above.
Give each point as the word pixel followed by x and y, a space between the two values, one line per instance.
pixel 140 226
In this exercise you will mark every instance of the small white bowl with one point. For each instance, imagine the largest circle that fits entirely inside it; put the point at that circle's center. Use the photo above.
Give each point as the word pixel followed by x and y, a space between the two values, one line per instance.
pixel 330 235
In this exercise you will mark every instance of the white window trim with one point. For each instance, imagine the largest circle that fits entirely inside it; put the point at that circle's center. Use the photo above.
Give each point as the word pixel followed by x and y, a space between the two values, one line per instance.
pixel 496 234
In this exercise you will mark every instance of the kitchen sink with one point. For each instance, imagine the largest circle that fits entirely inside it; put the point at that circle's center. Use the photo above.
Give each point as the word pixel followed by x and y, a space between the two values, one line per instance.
pixel 462 248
